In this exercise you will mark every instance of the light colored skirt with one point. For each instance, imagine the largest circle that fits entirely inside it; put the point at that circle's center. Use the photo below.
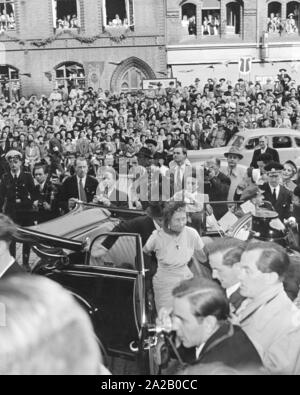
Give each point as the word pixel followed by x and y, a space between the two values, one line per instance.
pixel 164 281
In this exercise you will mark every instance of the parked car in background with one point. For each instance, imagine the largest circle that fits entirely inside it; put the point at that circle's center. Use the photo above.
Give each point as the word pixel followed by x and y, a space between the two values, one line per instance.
pixel 285 141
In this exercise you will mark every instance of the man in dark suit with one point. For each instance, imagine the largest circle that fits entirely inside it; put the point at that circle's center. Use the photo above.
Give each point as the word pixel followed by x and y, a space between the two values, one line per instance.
pixel 264 149
pixel 8 265
pixel 200 319
pixel 17 194
pixel 78 187
pixel 276 194
pixel 46 195
pixel 217 186
pixel 224 256
pixel 108 194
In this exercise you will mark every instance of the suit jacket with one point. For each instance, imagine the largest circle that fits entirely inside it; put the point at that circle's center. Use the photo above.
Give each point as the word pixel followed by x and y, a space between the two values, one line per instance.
pixel 144 226
pixel 230 346
pixel 217 189
pixel 70 190
pixel 283 203
pixel 48 194
pixel 12 270
pixel 271 321
pixel 257 153
pixel 17 197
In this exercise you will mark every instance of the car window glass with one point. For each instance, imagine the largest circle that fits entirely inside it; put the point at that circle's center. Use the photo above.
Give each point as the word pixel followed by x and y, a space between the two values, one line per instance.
pixel 114 252
pixel 297 141
pixel 282 142
pixel 252 143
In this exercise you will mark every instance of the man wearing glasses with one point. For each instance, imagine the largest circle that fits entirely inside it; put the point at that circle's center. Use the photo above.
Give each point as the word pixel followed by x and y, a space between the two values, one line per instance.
pixel 17 194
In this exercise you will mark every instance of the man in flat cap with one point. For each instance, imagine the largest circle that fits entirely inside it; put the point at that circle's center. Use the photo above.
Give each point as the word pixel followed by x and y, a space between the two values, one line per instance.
pixel 278 195
pixel 17 194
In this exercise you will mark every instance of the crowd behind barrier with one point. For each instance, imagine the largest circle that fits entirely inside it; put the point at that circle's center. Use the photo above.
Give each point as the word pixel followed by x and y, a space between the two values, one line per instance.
pixel 120 150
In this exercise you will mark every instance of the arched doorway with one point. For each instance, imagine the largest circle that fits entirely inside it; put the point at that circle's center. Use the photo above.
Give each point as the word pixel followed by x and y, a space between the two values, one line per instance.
pixel 189 18
pixel 70 74
pixel 10 82
pixel 132 80
pixel 130 74
pixel 233 18
pixel 293 17
pixel 274 17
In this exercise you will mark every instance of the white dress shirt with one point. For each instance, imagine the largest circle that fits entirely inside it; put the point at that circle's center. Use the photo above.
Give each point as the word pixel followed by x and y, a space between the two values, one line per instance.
pixel 277 189
pixel 230 291
pixel 6 266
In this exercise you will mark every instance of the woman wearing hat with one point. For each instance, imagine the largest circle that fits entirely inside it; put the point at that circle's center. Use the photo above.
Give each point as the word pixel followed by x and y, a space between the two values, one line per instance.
pixel 288 175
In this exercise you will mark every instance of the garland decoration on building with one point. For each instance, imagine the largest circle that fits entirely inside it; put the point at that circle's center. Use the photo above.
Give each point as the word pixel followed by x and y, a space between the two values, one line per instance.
pixel 51 39
pixel 117 33
pixel 4 35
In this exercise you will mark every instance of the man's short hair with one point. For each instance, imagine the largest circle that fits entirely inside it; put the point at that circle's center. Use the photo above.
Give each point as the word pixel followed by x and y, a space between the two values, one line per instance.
pixel 8 229
pixel 46 331
pixel 184 150
pixel 234 247
pixel 80 159
pixel 207 298
pixel 40 166
pixel 273 258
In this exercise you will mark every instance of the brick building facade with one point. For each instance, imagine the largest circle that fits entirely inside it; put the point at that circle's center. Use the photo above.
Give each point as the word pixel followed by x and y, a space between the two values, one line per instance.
pixel 209 37
pixel 44 43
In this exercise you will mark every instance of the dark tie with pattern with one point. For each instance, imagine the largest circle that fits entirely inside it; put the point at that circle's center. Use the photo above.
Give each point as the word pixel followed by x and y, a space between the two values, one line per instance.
pixel 82 194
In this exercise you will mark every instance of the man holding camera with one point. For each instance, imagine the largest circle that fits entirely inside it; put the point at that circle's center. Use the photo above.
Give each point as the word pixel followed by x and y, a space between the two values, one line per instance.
pixel 204 335
pixel 46 195
pixel 216 186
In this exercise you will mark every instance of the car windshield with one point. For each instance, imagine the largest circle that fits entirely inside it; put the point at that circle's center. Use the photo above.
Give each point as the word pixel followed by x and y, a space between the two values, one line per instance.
pixel 236 141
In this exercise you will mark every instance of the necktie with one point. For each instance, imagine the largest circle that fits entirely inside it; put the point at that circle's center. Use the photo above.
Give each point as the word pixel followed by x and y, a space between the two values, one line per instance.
pixel 274 195
pixel 82 194
pixel 178 180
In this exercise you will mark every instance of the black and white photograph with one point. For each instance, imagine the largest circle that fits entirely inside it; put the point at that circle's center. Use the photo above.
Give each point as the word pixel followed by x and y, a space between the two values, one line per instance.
pixel 149 190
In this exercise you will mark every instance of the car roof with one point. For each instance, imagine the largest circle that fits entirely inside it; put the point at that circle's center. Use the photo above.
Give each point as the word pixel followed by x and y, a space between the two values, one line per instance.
pixel 268 132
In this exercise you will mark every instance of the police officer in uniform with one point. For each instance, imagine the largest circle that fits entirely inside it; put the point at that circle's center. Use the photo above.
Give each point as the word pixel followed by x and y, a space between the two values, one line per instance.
pixel 17 194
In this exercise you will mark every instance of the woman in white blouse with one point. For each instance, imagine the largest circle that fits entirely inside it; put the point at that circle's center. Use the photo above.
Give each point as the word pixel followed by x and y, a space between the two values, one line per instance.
pixel 174 245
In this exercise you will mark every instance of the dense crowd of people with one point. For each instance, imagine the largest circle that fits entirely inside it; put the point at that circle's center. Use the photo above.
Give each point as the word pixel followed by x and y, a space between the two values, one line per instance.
pixel 130 150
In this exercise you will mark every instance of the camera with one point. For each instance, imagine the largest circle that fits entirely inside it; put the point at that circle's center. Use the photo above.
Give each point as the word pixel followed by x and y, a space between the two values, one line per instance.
pixel 206 174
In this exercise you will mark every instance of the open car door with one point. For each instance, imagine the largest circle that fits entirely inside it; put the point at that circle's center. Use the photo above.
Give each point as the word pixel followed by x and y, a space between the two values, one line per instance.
pixel 112 290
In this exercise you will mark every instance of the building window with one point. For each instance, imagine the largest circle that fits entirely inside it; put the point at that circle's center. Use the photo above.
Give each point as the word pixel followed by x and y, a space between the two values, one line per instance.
pixel 10 82
pixel 188 20
pixel 233 18
pixel 211 22
pixel 292 17
pixel 66 14
pixel 117 13
pixel 70 75
pixel 132 80
pixel 7 15
pixel 274 24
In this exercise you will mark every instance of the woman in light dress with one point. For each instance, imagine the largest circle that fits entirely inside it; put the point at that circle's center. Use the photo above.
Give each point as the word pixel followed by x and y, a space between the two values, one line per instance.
pixel 174 246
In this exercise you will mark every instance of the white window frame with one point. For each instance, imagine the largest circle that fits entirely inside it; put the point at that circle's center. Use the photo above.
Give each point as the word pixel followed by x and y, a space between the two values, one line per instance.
pixel 127 11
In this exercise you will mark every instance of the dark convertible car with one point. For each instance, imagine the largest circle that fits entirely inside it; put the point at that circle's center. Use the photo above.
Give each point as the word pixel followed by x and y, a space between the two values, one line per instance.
pixel 114 290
